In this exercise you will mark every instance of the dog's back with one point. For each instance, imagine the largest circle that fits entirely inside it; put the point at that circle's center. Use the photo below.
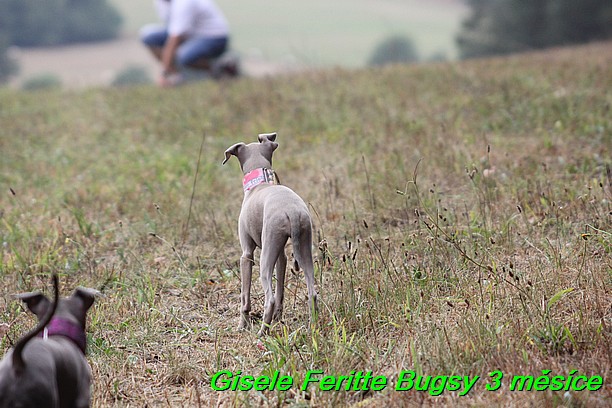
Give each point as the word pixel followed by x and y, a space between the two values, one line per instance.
pixel 274 205
pixel 16 392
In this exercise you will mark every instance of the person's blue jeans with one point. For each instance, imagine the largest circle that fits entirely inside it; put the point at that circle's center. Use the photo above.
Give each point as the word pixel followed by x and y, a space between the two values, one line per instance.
pixel 190 50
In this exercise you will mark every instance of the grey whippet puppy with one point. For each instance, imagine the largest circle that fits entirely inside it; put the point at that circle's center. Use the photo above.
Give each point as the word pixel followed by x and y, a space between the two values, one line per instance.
pixel 47 366
pixel 270 215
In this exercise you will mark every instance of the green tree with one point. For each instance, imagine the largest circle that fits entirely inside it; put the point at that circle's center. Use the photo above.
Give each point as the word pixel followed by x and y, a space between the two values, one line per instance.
pixel 90 20
pixel 7 65
pixel 506 26
pixel 53 22
pixel 133 75
pixel 395 49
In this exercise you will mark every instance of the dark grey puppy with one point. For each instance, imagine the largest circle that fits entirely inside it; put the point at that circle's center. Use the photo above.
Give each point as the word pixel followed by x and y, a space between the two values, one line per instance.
pixel 47 367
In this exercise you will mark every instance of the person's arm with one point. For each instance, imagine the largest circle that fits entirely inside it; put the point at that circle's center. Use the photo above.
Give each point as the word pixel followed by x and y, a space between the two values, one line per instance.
pixel 169 52
pixel 167 58
pixel 180 17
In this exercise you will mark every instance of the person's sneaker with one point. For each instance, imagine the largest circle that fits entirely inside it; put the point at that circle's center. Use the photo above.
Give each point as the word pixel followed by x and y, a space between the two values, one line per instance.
pixel 231 69
pixel 225 66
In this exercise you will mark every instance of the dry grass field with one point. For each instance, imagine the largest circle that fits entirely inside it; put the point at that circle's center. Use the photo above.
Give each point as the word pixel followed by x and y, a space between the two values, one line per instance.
pixel 463 227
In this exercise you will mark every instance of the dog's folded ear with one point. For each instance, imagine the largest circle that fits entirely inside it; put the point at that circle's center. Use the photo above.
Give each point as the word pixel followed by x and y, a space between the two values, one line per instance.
pixel 266 136
pixel 232 150
pixel 87 296
pixel 36 302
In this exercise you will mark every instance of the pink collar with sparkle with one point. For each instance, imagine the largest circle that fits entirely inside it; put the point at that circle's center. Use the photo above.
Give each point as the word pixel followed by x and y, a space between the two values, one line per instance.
pixel 259 176
pixel 62 327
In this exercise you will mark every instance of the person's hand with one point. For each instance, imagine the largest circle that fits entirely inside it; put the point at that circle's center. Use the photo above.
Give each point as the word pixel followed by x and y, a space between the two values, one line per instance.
pixel 168 80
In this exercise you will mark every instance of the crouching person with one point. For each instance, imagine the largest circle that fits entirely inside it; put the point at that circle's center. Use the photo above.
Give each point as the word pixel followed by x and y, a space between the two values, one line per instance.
pixel 194 34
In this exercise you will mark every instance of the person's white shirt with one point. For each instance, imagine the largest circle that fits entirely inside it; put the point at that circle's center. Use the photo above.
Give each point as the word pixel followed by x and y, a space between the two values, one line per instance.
pixel 193 18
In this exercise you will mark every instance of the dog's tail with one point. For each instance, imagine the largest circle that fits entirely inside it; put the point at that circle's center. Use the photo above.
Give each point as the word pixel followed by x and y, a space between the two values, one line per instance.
pixel 295 242
pixel 301 232
pixel 18 363
pixel 301 240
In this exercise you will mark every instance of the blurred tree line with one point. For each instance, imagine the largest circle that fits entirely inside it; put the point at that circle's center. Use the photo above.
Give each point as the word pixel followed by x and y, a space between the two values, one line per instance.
pixel 53 22
pixel 505 26
pixel 394 49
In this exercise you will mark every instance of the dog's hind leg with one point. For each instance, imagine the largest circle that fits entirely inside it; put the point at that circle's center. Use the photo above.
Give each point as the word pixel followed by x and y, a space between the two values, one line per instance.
pixel 272 246
pixel 302 250
pixel 281 267
pixel 308 268
pixel 246 272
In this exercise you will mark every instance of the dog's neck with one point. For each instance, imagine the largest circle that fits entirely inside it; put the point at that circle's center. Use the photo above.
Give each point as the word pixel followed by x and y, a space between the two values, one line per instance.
pixel 259 176
pixel 63 327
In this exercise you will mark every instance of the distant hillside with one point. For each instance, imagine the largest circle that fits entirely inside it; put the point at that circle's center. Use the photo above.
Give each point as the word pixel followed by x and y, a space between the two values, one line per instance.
pixel 272 36
pixel 320 32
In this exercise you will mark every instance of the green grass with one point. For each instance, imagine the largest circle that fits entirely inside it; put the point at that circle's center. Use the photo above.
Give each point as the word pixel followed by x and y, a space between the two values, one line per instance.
pixel 462 226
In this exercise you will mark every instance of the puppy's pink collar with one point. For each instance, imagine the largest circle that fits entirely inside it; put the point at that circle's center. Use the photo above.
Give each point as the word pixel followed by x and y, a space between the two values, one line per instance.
pixel 259 176
pixel 62 327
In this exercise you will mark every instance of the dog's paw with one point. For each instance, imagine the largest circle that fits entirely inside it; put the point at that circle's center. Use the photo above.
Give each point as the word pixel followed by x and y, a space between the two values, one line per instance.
pixel 245 323
pixel 265 329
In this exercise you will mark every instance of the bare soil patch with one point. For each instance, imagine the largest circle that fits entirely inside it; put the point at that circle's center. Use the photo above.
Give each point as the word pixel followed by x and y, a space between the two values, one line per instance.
pixel 90 65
